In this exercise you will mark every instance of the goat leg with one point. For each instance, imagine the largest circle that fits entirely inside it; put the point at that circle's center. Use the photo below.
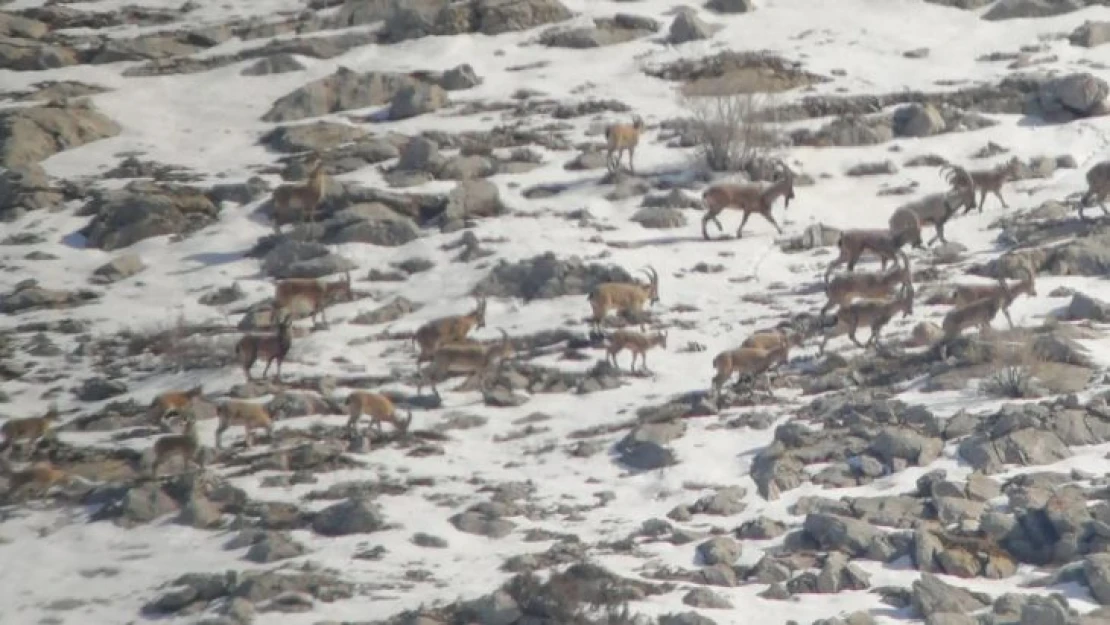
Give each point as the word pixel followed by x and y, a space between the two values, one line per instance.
pixel 771 219
pixel 742 222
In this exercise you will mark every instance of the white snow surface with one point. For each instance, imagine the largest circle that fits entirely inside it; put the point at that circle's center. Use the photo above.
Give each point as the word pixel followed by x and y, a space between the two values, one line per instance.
pixel 210 122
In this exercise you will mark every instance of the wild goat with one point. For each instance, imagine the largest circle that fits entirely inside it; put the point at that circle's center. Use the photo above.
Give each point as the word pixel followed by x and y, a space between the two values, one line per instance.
pixel 779 338
pixel 748 198
pixel 41 476
pixel 32 429
pixel 635 342
pixel 886 244
pixel 875 313
pixel 185 445
pixel 378 406
pixel 844 288
pixel 304 197
pixel 172 403
pixel 271 347
pixel 627 298
pixel 752 361
pixel 250 415
pixel 979 314
pixel 315 293
pixel 991 181
pixel 936 209
pixel 1098 187
pixel 968 293
pixel 448 330
pixel 621 138
pixel 477 360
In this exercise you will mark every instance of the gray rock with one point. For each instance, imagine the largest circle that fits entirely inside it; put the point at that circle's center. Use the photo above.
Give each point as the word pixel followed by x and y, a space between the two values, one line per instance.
pixel 117 269
pixel 344 90
pixel 274 64
pixel 99 389
pixel 719 550
pixel 659 218
pixel 320 136
pixel 918 120
pixel 274 547
pixel 31 134
pixel 200 513
pixel 1085 307
pixel 1096 569
pixel 687 26
pixel 370 223
pixel 143 504
pixel 546 276
pixel 685 618
pixel 1017 9
pixel 290 258
pixel 1070 97
pixel 1090 34
pixel 24 54
pixel 931 596
pixel 838 574
pixel 353 516
pixel 392 311
pixel 731 6
pixel 951 618
pixel 417 99
pixel 142 210
pixel 474 198
pixel 421 539
pixel 26 188
pixel 833 532
pixel 497 608
pixel 480 523
pixel 707 599
pixel 459 78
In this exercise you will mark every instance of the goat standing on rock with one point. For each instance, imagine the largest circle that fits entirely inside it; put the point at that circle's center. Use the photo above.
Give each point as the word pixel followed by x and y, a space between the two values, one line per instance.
pixel 748 198
pixel 627 298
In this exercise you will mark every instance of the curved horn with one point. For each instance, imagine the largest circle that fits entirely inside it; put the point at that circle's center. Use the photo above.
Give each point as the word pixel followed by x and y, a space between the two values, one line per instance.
pixel 654 275
pixel 504 334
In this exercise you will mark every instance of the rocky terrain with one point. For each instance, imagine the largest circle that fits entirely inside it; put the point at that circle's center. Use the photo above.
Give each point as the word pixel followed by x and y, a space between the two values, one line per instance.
pixel 465 146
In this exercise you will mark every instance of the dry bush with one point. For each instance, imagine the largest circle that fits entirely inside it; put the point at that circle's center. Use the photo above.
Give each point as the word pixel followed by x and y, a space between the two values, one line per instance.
pixel 733 128
pixel 1016 365
pixel 183 346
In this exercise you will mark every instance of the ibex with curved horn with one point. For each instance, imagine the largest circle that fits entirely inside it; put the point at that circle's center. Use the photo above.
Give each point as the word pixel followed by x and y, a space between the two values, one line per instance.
pixel 748 198
pixel 628 298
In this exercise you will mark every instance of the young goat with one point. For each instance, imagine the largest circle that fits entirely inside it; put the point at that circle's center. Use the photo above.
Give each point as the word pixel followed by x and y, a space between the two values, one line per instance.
pixel 271 347
pixel 967 293
pixel 621 138
pixel 635 342
pixel 875 313
pixel 315 293
pixel 447 330
pixel 379 407
pixel 1098 187
pixel 844 288
pixel 40 476
pixel 32 429
pixel 991 181
pixel 303 198
pixel 936 209
pixel 752 361
pixel 185 445
pixel 979 314
pixel 627 298
pixel 885 244
pixel 172 403
pixel 748 198
pixel 250 415
pixel 474 359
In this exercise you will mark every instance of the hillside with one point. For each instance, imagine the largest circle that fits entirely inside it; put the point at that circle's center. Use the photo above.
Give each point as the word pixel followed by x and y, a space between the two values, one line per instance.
pixel 464 150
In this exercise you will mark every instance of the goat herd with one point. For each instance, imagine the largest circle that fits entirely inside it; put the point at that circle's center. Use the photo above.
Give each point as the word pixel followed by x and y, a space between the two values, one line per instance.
pixel 860 299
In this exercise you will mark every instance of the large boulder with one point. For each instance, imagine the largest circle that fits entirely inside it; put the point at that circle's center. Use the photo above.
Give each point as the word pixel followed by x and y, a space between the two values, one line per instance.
pixel 29 135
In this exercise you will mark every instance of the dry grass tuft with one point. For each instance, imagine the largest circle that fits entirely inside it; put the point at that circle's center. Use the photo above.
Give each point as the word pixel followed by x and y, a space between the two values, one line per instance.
pixel 733 129
pixel 1016 365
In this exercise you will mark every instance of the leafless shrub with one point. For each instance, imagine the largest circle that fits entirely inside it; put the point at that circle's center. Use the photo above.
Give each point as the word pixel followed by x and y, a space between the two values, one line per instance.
pixel 1016 366
pixel 733 129
pixel 182 346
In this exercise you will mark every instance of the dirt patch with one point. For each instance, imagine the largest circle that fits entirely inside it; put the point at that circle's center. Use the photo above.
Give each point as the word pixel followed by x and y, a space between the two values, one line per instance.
pixel 736 72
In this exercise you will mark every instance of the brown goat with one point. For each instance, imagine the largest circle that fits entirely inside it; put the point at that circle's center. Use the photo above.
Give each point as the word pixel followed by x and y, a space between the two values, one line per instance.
pixel 316 293
pixel 32 429
pixel 751 361
pixel 968 293
pixel 172 403
pixel 250 415
pixel 185 445
pixel 1098 187
pixel 748 198
pixel 979 314
pixel 635 342
pixel 379 407
pixel 936 209
pixel 448 330
pixel 844 288
pixel 270 347
pixel 41 476
pixel 991 181
pixel 304 197
pixel 885 244
pixel 625 297
pixel 474 359
pixel 874 313
pixel 621 138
